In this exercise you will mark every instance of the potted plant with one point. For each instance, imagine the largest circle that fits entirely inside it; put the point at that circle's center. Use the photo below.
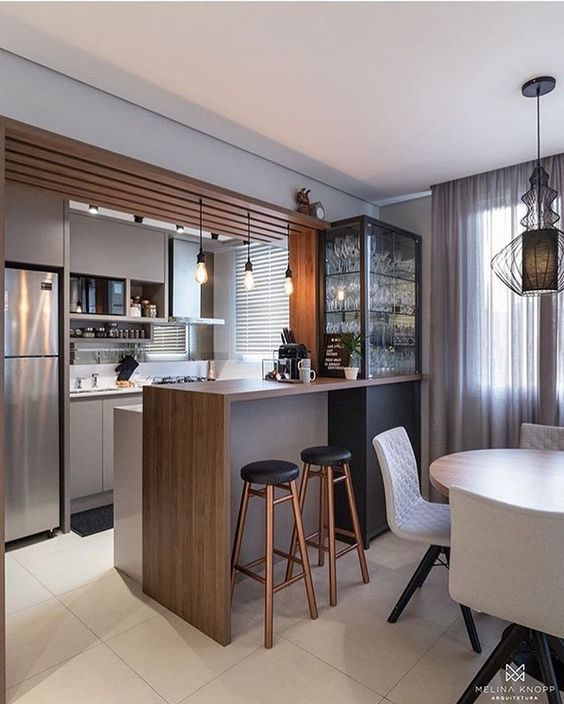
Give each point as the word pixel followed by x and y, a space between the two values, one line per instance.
pixel 352 344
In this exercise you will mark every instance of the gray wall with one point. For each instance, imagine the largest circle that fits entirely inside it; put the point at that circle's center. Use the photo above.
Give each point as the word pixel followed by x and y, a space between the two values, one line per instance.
pixel 415 215
pixel 41 97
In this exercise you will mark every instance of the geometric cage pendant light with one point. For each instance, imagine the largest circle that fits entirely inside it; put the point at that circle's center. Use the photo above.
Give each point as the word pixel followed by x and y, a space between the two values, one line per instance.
pixel 532 264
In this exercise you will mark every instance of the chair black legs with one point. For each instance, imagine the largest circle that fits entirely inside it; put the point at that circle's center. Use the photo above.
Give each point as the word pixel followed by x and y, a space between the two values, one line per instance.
pixel 513 637
pixel 546 667
pixel 471 629
pixel 417 580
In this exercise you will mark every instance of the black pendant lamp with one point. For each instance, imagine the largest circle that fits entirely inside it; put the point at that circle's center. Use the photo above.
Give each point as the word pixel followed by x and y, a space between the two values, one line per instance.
pixel 201 274
pixel 533 263
pixel 288 280
pixel 249 280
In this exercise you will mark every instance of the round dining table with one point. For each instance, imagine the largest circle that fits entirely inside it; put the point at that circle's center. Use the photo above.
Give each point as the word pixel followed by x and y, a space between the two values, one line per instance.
pixel 529 478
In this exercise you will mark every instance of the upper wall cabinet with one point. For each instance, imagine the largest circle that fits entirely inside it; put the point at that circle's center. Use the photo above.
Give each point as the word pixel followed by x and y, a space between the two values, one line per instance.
pixel 34 225
pixel 371 287
pixel 114 249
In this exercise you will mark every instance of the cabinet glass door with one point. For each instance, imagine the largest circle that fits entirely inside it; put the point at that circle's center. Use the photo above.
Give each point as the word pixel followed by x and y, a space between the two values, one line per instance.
pixel 392 342
pixel 343 296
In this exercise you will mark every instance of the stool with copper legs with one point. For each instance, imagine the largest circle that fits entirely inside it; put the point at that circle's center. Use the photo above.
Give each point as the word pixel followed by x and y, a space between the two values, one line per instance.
pixel 333 468
pixel 271 475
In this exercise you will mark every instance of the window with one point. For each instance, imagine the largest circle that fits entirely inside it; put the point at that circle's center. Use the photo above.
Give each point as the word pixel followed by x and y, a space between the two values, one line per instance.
pixel 168 342
pixel 263 312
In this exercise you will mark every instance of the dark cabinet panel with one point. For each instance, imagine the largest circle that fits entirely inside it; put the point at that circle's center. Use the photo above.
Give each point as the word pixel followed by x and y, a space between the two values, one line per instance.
pixel 355 417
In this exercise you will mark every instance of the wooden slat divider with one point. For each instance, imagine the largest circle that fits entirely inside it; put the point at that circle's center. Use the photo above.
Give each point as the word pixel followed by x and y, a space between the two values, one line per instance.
pixel 63 186
pixel 42 146
pixel 21 154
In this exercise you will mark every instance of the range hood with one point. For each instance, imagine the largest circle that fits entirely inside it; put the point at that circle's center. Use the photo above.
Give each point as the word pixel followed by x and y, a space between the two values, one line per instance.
pixel 185 293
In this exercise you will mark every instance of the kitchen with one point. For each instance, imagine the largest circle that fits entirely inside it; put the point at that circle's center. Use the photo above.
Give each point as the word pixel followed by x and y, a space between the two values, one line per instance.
pixel 141 316
pixel 260 377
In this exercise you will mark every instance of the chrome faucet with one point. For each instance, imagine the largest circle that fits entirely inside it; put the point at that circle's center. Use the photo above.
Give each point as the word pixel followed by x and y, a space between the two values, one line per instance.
pixel 95 380
pixel 78 382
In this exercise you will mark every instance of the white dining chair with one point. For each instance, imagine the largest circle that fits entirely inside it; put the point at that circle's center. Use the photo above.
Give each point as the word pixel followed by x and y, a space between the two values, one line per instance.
pixel 411 517
pixel 541 437
pixel 507 561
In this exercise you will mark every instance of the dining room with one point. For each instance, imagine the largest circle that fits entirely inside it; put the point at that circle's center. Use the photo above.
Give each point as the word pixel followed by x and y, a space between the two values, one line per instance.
pixel 283 384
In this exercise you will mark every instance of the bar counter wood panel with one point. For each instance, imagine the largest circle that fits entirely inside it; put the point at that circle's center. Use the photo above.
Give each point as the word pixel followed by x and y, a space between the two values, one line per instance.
pixel 188 449
pixel 186 489
pixel 303 248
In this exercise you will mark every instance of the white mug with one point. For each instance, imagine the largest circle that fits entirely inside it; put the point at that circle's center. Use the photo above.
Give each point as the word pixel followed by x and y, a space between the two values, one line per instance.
pixel 307 375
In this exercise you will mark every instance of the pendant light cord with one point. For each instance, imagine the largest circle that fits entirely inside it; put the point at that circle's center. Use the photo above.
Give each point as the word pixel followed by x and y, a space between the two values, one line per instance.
pixel 539 224
pixel 538 127
pixel 248 236
pixel 201 241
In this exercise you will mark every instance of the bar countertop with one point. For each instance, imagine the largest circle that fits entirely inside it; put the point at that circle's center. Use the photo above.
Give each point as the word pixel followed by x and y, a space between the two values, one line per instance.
pixel 252 389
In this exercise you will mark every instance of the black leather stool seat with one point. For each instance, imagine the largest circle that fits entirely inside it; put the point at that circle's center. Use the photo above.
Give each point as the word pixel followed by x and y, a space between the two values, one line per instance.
pixel 327 455
pixel 270 472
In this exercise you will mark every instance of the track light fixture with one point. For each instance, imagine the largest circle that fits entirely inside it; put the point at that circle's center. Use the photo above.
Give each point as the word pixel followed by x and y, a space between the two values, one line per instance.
pixel 138 219
pixel 201 275
pixel 180 229
pixel 249 280
pixel 93 209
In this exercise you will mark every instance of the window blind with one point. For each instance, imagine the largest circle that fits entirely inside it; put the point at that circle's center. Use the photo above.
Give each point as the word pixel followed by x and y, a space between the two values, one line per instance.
pixel 263 312
pixel 168 339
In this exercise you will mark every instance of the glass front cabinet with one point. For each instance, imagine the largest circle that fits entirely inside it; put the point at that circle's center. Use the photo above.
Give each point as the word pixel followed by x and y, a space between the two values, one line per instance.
pixel 371 274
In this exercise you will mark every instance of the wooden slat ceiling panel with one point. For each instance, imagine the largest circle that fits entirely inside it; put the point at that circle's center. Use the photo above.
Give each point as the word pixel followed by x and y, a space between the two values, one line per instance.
pixel 81 172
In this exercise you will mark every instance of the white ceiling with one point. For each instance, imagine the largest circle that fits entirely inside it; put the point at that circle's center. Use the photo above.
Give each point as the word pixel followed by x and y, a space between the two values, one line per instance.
pixel 378 99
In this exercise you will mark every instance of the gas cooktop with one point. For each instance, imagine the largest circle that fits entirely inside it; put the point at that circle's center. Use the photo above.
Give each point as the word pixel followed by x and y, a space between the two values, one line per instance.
pixel 177 379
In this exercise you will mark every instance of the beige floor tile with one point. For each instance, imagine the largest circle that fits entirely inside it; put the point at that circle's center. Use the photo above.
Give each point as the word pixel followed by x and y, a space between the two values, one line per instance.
pixel 22 589
pixel 45 546
pixel 360 643
pixel 95 677
pixel 441 675
pixel 281 675
pixel 176 659
pixel 69 569
pixel 43 636
pixel 111 605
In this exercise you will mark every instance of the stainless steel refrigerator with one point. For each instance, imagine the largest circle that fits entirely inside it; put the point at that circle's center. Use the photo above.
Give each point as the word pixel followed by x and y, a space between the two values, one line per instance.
pixel 31 402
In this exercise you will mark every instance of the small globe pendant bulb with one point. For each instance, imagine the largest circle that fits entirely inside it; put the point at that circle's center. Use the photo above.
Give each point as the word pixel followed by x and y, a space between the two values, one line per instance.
pixel 288 282
pixel 201 275
pixel 249 280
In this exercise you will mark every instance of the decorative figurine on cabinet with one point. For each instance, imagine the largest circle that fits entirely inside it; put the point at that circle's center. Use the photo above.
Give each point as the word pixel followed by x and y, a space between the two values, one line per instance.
pixel 302 199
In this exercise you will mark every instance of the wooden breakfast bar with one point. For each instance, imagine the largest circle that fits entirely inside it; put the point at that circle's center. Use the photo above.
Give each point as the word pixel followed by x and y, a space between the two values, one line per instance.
pixel 195 439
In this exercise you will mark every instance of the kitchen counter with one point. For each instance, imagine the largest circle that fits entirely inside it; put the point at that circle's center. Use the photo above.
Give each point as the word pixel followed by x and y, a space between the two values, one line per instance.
pixel 104 391
pixel 196 437
pixel 253 389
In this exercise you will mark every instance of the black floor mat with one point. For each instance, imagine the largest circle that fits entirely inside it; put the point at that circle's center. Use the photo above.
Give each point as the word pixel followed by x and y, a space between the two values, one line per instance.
pixel 95 520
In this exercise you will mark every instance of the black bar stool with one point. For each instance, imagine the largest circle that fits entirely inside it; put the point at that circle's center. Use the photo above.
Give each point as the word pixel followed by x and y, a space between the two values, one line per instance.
pixel 282 475
pixel 333 463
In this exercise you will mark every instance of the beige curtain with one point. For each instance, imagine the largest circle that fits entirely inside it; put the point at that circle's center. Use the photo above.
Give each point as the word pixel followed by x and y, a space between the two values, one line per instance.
pixel 494 355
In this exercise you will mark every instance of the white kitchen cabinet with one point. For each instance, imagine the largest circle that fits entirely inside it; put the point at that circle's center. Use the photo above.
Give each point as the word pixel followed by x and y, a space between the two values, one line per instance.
pixel 92 443
pixel 86 449
pixel 108 434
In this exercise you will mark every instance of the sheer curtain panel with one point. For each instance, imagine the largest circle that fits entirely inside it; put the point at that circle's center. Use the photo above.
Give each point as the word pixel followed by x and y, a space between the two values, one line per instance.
pixel 496 358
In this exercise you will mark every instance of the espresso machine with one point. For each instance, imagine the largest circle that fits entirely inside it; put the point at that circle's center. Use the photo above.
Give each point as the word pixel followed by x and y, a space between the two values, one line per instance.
pixel 292 353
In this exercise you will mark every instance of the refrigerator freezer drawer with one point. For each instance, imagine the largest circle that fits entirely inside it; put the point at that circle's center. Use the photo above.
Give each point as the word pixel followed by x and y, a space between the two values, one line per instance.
pixel 31 450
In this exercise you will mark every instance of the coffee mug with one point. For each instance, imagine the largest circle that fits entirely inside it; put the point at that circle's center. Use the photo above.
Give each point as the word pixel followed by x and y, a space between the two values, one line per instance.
pixel 307 375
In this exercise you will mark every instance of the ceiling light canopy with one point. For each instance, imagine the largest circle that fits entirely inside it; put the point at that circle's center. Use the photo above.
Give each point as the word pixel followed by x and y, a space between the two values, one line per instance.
pixel 532 264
